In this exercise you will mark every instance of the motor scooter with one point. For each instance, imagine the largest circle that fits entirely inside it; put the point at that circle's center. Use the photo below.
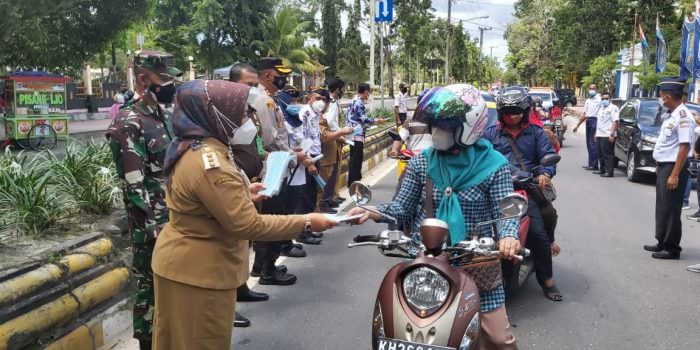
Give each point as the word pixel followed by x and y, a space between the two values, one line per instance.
pixel 516 272
pixel 426 302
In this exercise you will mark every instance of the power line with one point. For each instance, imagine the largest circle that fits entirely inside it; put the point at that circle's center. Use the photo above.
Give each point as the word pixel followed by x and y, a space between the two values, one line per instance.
pixel 487 3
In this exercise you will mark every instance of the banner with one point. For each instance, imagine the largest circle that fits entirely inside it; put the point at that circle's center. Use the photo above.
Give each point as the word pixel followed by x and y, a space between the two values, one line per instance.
pixel 645 44
pixel 661 51
pixel 689 45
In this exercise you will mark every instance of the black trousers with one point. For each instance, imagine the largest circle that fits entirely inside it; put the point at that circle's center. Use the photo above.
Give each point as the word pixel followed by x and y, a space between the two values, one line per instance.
pixel 669 204
pixel 539 244
pixel 606 155
pixel 355 162
pixel 402 117
pixel 266 253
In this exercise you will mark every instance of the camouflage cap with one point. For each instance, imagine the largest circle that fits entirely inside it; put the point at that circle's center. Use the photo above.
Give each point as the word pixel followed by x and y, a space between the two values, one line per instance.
pixel 161 63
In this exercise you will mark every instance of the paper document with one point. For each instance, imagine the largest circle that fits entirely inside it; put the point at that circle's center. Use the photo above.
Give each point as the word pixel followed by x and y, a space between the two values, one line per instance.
pixel 277 164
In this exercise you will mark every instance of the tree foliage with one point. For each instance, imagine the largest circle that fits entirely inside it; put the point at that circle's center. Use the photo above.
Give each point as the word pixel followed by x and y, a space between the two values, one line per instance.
pixel 60 35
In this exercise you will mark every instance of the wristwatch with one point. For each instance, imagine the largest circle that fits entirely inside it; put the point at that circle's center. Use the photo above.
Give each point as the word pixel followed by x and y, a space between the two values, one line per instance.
pixel 307 224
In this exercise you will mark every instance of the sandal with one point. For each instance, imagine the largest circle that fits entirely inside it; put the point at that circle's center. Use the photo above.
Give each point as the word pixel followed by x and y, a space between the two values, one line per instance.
pixel 552 293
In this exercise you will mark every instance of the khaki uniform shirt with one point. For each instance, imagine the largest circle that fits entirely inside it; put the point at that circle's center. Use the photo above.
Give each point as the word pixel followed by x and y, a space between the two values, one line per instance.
pixel 212 217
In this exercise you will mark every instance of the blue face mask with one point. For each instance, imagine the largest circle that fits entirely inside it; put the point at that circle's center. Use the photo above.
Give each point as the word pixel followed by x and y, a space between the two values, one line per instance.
pixel 294 109
pixel 605 103
pixel 591 93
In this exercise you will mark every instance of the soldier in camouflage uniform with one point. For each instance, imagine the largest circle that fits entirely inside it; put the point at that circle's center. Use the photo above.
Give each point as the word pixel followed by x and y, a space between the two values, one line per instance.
pixel 138 138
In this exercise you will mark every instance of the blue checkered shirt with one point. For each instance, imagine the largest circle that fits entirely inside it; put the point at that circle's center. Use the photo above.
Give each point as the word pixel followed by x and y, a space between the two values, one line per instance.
pixel 479 203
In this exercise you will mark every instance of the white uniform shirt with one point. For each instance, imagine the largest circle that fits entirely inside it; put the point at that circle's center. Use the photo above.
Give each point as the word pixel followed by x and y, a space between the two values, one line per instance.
pixel 332 115
pixel 606 117
pixel 400 101
pixel 591 107
pixel 678 128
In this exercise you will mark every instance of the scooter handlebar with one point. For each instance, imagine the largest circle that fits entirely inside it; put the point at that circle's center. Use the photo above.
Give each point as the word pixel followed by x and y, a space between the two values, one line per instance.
pixel 366 238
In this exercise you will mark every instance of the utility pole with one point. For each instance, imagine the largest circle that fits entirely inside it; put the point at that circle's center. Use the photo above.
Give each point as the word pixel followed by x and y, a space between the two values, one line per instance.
pixel 381 62
pixel 492 47
pixel 447 45
pixel 481 40
pixel 372 8
pixel 630 77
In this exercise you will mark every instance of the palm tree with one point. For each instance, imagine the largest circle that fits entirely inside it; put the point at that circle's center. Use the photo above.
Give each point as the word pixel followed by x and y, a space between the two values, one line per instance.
pixel 285 35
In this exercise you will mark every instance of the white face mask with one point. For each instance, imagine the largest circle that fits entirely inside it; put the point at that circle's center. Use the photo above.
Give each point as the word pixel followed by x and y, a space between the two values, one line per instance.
pixel 318 106
pixel 661 102
pixel 443 139
pixel 245 134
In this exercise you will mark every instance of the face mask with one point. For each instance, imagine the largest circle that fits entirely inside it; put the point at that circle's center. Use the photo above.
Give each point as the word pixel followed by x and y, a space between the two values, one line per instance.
pixel 293 109
pixel 163 93
pixel 443 140
pixel 591 93
pixel 279 82
pixel 510 119
pixel 605 103
pixel 245 134
pixel 318 106
pixel 661 102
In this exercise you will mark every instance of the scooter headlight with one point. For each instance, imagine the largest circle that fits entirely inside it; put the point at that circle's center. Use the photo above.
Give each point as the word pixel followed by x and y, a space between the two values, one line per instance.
pixel 425 290
pixel 470 336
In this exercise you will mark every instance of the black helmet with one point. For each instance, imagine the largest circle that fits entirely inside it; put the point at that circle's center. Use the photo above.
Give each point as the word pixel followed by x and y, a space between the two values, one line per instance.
pixel 514 102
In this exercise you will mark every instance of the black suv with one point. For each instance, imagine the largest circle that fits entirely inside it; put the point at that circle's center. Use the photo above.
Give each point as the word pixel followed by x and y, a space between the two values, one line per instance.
pixel 640 124
pixel 567 97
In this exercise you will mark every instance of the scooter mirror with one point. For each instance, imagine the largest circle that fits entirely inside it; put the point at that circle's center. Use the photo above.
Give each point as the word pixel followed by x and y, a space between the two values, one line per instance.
pixel 513 205
pixel 550 159
pixel 360 193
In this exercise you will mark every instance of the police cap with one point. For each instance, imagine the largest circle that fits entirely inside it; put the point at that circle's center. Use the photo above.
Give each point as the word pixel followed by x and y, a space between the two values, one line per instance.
pixel 674 84
pixel 273 63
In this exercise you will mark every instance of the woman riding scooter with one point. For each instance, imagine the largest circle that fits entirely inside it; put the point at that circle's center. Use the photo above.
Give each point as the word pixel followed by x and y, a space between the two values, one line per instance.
pixel 465 179
pixel 524 145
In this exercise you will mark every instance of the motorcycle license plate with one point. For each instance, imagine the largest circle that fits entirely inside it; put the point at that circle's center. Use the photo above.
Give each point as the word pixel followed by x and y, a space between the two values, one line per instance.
pixel 394 344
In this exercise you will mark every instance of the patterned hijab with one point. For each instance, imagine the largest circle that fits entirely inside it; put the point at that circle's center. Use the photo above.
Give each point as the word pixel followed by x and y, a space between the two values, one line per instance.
pixel 204 108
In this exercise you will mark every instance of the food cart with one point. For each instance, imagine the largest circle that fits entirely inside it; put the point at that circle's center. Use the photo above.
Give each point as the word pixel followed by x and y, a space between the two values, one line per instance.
pixel 35 109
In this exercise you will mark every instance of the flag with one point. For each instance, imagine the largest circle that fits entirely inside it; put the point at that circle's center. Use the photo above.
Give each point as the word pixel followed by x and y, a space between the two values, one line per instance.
pixel 645 44
pixel 661 54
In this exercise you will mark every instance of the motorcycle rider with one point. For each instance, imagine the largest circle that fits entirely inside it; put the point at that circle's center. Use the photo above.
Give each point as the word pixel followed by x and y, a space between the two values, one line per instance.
pixel 531 144
pixel 468 179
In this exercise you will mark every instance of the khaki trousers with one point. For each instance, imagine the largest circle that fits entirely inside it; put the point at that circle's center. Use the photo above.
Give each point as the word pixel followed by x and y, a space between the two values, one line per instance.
pixel 495 331
pixel 192 318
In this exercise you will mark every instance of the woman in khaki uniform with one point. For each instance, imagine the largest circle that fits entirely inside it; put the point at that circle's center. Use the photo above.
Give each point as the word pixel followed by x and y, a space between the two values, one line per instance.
pixel 201 255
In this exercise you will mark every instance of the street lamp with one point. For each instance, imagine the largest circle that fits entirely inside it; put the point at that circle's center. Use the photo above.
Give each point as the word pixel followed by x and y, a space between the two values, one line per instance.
pixel 191 59
pixel 449 30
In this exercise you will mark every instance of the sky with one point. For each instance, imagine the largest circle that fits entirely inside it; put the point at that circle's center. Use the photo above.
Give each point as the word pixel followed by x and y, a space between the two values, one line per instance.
pixel 500 13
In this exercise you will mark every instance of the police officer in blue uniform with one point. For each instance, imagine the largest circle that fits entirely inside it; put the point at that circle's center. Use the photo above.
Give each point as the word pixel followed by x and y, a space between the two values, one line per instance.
pixel 671 153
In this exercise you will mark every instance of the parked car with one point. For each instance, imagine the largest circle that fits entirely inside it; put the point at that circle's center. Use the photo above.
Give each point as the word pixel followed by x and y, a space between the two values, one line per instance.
pixel 640 124
pixel 567 97
pixel 547 95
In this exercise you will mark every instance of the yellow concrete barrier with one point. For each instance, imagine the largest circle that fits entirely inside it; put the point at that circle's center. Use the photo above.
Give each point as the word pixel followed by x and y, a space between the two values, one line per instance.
pixel 26 283
pixel 64 308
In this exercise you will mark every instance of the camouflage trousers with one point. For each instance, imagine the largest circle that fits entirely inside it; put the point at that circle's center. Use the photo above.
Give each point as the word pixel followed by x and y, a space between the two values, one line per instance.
pixel 144 303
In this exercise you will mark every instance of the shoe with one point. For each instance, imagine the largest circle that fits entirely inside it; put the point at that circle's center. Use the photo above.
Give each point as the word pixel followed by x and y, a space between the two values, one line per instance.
pixel 244 294
pixel 653 248
pixel 341 199
pixel 666 255
pixel 310 240
pixel 240 321
pixel 281 268
pixel 694 268
pixel 686 206
pixel 598 172
pixel 589 168
pixel 258 273
pixel 317 234
pixel 695 216
pixel 606 175
pixel 278 279
pixel 294 252
pixel 145 344
pixel 337 202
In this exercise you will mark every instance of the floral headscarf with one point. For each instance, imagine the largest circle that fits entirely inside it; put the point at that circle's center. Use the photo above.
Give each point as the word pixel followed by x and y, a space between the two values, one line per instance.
pixel 204 108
